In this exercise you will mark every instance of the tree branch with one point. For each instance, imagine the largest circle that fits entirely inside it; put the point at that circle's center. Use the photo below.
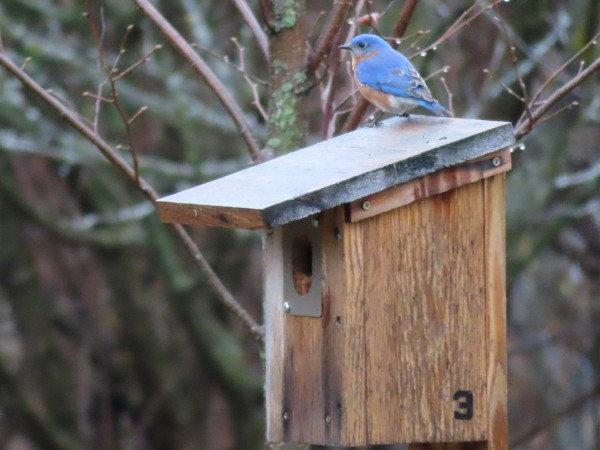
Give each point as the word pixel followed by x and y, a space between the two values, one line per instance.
pixel 526 124
pixel 116 160
pixel 326 40
pixel 206 73
pixel 250 19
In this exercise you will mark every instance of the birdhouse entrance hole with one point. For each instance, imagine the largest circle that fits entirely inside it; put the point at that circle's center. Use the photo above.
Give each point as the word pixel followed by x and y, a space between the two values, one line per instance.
pixel 301 263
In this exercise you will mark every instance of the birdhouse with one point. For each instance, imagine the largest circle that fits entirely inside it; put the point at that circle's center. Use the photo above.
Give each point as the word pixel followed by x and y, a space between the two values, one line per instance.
pixel 384 281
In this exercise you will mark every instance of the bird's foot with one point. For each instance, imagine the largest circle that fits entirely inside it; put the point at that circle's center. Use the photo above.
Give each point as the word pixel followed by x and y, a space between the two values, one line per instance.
pixel 374 122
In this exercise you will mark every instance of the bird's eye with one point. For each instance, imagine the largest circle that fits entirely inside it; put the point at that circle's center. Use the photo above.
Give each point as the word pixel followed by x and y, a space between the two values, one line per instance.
pixel 362 44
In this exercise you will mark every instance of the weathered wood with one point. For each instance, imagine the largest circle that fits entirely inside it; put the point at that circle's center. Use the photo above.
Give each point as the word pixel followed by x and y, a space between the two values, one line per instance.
pixel 450 446
pixel 274 337
pixel 424 284
pixel 334 172
pixel 430 185
pixel 410 298
pixel 495 282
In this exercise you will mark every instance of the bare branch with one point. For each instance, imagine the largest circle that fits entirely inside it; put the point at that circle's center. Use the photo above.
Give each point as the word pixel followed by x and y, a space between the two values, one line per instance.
pixel 206 73
pixel 525 125
pixel 464 20
pixel 449 94
pixel 326 40
pixel 561 69
pixel 116 160
pixel 401 24
pixel 249 81
pixel 250 19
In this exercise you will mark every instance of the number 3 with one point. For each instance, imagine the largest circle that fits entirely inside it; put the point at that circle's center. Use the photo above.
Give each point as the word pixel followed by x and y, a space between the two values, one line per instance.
pixel 465 405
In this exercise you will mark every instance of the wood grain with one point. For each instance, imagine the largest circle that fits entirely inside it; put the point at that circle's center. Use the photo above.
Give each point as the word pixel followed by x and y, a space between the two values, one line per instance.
pixel 413 311
pixel 334 172
pixel 495 276
pixel 424 285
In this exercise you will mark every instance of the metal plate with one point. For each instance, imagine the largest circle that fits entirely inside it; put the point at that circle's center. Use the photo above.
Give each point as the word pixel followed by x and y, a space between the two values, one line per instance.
pixel 309 304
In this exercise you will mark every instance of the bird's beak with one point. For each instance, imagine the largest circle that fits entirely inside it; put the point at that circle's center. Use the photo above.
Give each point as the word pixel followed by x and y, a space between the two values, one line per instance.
pixel 345 47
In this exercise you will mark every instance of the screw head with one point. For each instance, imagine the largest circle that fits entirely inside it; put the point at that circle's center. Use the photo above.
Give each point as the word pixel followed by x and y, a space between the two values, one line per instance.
pixel 315 223
pixel 287 307
pixel 366 205
pixel 327 419
pixel 338 235
pixel 496 161
pixel 285 415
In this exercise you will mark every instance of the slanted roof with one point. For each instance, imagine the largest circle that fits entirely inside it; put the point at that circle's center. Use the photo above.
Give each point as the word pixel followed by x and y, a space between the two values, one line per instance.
pixel 334 172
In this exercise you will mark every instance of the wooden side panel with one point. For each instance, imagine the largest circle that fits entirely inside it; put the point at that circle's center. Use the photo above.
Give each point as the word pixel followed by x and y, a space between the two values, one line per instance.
pixel 481 445
pixel 344 341
pixel 426 320
pixel 274 336
pixel 495 275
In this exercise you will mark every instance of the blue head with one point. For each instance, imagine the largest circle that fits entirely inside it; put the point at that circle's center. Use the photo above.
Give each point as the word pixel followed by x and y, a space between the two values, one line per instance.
pixel 365 43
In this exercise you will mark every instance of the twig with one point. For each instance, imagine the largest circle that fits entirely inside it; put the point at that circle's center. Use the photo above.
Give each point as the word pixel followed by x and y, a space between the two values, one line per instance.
pixel 252 84
pixel 504 86
pixel 206 73
pixel 115 159
pixel 326 40
pixel 515 64
pixel 525 125
pixel 558 71
pixel 458 25
pixel 250 19
pixel 557 112
pixel 449 94
pixel 225 60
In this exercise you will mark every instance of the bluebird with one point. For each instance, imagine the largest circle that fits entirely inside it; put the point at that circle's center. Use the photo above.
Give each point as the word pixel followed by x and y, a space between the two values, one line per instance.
pixel 387 79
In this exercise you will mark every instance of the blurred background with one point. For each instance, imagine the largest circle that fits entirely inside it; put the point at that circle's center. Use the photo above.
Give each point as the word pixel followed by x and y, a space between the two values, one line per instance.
pixel 111 338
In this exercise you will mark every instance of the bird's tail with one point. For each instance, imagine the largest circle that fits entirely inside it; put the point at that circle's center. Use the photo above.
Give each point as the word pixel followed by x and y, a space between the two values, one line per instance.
pixel 437 109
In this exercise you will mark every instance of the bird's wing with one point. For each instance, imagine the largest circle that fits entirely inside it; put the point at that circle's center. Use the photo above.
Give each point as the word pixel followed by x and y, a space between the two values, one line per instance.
pixel 390 72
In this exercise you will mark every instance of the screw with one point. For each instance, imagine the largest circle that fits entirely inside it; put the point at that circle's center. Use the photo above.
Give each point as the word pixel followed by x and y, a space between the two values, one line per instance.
pixel 285 415
pixel 496 161
pixel 366 205
pixel 327 419
pixel 287 307
pixel 315 223
pixel 338 235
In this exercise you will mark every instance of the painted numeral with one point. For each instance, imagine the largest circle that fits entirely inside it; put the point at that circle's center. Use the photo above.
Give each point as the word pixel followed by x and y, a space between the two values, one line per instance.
pixel 464 409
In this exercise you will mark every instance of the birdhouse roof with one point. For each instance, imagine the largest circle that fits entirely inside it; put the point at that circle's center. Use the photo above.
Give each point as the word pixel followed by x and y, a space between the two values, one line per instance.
pixel 336 171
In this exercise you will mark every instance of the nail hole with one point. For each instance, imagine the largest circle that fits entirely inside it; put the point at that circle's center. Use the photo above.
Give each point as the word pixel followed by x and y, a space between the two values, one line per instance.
pixel 338 320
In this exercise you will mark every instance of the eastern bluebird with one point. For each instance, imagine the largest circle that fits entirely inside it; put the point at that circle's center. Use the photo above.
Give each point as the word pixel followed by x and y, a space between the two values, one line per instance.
pixel 387 79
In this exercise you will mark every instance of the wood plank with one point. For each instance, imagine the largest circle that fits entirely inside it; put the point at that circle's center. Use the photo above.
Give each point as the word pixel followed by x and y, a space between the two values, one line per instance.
pixel 430 185
pixel 495 275
pixel 344 343
pixel 336 171
pixel 450 446
pixel 274 333
pixel 425 319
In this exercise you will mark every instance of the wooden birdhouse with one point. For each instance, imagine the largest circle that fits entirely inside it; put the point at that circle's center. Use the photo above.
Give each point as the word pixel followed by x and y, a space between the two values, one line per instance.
pixel 384 281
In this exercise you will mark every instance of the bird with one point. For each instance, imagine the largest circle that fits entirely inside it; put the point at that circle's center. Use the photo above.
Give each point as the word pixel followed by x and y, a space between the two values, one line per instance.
pixel 387 79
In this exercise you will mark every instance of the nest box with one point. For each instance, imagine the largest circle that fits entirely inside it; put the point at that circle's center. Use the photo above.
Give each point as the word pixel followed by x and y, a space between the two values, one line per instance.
pixel 384 281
